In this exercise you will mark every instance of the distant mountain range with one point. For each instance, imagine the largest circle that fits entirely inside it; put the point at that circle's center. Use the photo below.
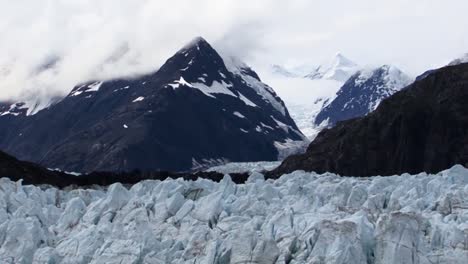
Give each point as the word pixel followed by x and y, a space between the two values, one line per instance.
pixel 362 94
pixel 361 89
pixel 339 68
pixel 198 109
pixel 419 129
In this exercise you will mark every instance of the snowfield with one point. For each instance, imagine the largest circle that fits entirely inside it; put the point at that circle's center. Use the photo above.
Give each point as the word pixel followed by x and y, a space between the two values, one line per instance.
pixel 299 218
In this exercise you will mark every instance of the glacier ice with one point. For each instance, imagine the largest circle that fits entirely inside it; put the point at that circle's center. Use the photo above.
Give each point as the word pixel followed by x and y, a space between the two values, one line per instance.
pixel 299 218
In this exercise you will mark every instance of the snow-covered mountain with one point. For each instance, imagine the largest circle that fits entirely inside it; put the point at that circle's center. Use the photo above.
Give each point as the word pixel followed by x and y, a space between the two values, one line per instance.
pixel 421 128
pixel 362 94
pixel 306 88
pixel 299 218
pixel 197 109
pixel 304 98
pixel 339 68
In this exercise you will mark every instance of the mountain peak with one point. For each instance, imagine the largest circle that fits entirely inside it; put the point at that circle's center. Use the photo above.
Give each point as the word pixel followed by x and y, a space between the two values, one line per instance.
pixel 362 94
pixel 194 60
pixel 389 75
pixel 341 60
pixel 339 68
pixel 196 43
pixel 196 47
pixel 193 112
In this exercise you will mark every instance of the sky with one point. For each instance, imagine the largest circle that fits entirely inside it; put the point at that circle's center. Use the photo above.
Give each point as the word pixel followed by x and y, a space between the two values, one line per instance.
pixel 81 40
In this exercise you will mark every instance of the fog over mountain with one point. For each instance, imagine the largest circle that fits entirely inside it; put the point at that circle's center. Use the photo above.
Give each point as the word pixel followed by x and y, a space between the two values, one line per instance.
pixel 47 47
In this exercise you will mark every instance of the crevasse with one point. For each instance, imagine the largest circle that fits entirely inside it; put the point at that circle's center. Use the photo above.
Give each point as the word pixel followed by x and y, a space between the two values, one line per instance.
pixel 299 218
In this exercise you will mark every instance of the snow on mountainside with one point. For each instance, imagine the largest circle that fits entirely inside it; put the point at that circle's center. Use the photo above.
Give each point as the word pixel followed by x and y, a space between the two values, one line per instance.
pixel 239 68
pixel 305 91
pixel 197 110
pixel 304 98
pixel 26 107
pixel 14 109
pixel 339 69
pixel 299 218
pixel 362 94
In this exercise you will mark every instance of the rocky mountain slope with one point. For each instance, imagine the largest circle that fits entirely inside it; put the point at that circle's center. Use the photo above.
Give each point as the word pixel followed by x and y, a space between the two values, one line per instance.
pixel 362 94
pixel 462 59
pixel 28 172
pixel 31 173
pixel 197 109
pixel 421 128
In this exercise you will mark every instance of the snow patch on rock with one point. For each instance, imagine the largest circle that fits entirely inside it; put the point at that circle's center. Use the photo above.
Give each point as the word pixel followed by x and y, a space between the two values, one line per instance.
pixel 238 114
pixel 237 67
pixel 139 99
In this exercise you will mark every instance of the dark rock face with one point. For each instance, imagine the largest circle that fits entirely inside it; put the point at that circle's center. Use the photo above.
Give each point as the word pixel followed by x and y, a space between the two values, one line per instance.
pixel 193 111
pixel 362 93
pixel 31 173
pixel 461 60
pixel 424 75
pixel 421 128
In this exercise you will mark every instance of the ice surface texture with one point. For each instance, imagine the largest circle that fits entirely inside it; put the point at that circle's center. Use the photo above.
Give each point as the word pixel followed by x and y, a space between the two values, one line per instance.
pixel 299 218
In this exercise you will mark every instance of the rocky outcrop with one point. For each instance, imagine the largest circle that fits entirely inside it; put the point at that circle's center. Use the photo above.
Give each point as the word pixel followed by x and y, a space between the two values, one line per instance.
pixel 31 173
pixel 421 128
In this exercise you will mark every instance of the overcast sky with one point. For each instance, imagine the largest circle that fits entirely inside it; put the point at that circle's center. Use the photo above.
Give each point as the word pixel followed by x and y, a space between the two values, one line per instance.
pixel 105 38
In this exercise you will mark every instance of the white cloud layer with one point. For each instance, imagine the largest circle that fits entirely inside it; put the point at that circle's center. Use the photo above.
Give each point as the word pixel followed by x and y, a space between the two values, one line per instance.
pixel 87 39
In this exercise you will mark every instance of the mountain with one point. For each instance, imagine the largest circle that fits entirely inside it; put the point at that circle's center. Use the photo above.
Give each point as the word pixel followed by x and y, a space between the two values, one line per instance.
pixel 339 69
pixel 462 59
pixel 362 94
pixel 26 107
pixel 15 109
pixel 421 128
pixel 31 173
pixel 197 109
pixel 306 89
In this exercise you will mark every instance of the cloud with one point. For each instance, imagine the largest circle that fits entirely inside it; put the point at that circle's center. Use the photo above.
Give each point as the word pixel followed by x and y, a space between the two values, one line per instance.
pixel 81 40
pixel 242 40
pixel 100 39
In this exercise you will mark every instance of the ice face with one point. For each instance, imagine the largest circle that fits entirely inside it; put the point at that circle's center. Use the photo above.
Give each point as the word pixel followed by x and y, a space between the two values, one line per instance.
pixel 299 218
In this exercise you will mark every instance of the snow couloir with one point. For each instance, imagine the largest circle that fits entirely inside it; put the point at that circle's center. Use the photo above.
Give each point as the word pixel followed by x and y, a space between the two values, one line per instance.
pixel 299 218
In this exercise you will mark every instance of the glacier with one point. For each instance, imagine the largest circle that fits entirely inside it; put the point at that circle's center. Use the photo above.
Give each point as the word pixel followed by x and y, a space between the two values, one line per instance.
pixel 298 218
